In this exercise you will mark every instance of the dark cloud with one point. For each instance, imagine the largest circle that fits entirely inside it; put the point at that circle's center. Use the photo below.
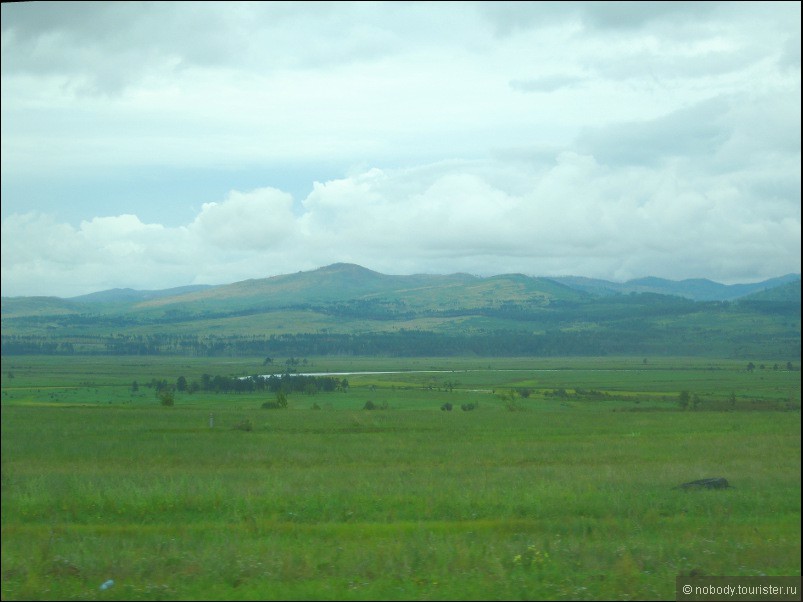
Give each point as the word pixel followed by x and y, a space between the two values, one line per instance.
pixel 103 47
pixel 620 16
pixel 697 131
pixel 509 18
pixel 790 58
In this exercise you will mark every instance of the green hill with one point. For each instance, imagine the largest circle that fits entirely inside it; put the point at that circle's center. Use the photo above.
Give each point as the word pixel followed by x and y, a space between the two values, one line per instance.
pixel 344 283
pixel 785 293
pixel 345 308
pixel 36 306
pixel 129 295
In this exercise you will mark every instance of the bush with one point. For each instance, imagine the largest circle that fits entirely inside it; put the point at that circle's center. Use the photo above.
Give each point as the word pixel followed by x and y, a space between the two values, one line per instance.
pixel 467 407
pixel 370 405
pixel 511 405
pixel 511 401
pixel 166 397
pixel 447 407
pixel 279 404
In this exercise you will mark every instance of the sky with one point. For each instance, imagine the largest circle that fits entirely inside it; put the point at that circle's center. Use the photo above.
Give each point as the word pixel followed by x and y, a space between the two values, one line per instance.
pixel 157 145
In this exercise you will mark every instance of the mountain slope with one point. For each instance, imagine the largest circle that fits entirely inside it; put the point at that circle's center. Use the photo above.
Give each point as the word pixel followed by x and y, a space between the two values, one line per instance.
pixel 786 293
pixel 36 306
pixel 341 283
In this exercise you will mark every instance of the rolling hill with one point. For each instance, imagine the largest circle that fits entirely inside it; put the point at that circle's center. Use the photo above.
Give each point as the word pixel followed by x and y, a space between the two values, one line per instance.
pixel 346 308
pixel 129 295
pixel 341 283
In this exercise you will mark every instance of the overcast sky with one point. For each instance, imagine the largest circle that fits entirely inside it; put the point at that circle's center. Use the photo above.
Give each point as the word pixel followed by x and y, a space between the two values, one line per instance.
pixel 159 145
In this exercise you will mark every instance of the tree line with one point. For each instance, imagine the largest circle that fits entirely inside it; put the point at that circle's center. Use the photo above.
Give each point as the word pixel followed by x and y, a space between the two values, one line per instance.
pixel 273 383
pixel 628 336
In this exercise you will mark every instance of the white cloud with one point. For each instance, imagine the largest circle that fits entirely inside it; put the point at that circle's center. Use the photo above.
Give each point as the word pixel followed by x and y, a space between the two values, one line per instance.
pixel 600 139
pixel 43 257
pixel 252 221
pixel 578 216
pixel 34 238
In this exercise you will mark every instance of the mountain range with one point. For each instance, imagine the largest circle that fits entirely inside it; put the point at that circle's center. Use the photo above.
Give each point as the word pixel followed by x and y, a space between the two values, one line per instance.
pixel 572 314
pixel 345 282
pixel 697 289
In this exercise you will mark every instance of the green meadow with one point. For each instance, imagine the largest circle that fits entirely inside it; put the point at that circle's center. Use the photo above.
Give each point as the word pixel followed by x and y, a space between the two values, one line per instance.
pixel 558 481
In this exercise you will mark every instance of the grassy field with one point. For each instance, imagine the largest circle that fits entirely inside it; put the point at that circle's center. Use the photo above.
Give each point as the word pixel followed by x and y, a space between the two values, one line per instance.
pixel 565 492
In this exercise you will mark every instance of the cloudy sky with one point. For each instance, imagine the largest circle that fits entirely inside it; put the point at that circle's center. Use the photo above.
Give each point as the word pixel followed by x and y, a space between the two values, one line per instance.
pixel 159 145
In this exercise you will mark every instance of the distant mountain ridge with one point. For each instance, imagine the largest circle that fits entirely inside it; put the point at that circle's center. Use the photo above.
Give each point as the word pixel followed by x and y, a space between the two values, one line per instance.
pixel 130 295
pixel 697 289
pixel 345 282
pixel 348 309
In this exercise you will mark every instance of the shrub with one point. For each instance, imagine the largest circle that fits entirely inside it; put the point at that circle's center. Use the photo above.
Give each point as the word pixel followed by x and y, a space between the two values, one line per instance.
pixel 511 405
pixel 467 407
pixel 279 404
pixel 447 407
pixel 511 401
pixel 370 405
pixel 166 397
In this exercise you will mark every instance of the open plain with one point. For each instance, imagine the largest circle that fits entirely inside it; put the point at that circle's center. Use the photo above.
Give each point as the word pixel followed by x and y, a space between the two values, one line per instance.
pixel 548 479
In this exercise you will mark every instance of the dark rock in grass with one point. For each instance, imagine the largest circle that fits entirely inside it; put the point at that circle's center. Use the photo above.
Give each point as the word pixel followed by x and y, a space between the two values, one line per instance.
pixel 714 483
